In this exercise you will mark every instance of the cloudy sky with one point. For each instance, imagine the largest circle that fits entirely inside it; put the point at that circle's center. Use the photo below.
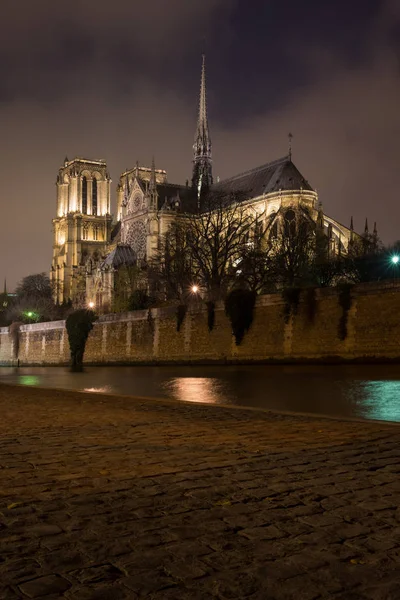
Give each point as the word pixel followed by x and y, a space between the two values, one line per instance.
pixel 120 80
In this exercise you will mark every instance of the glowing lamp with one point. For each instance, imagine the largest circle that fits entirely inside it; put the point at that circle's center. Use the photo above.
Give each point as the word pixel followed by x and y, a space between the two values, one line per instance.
pixel 395 259
pixel 91 304
pixel 195 289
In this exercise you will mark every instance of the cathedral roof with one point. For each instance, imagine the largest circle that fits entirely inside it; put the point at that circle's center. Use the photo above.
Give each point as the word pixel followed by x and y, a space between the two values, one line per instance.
pixel 168 194
pixel 122 255
pixel 116 230
pixel 278 175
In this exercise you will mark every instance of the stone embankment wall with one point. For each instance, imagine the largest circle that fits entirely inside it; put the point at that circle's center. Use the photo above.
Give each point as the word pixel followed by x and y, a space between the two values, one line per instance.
pixel 312 333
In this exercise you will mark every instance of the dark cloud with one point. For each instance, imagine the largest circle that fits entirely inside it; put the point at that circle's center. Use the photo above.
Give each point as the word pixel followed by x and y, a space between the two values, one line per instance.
pixel 122 85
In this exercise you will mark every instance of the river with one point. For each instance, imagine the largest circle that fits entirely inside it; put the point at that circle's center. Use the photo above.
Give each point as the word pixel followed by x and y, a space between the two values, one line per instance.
pixel 368 391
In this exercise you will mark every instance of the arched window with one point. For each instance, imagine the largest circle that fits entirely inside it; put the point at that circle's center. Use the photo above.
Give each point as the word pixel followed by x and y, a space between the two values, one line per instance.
pixel 94 197
pixel 85 229
pixel 84 195
pixel 274 226
pixel 290 223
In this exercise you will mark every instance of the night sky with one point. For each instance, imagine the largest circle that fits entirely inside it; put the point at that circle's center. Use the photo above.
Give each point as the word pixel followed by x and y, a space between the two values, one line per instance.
pixel 120 81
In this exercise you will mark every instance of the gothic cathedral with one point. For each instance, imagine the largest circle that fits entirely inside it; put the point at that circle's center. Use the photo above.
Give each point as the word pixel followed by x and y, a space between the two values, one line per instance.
pixel 89 246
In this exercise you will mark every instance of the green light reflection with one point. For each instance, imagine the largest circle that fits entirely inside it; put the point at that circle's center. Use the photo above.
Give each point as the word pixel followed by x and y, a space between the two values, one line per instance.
pixel 381 400
pixel 28 380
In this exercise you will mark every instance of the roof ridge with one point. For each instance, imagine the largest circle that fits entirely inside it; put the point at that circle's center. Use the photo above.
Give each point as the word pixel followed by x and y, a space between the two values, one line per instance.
pixel 168 184
pixel 273 163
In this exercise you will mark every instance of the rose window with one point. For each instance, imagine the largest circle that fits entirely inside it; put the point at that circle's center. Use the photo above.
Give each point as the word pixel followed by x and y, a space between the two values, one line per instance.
pixel 137 237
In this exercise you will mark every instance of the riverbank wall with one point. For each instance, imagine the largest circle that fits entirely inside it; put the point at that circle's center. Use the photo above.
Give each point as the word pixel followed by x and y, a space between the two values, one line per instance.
pixel 325 325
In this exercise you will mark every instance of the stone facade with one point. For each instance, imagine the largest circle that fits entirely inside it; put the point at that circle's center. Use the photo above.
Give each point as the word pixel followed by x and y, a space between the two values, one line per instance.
pixel 82 227
pixel 147 204
pixel 373 333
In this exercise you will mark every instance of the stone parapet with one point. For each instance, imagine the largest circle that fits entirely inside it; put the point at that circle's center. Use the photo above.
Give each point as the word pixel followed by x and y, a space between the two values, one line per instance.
pixel 311 333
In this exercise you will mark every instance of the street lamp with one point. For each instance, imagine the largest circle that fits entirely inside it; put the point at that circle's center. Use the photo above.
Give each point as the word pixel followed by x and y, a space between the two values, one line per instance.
pixel 394 260
pixel 91 304
pixel 195 289
pixel 30 314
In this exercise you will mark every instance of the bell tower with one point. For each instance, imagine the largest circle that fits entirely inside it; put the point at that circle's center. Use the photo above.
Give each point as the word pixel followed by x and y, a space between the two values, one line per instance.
pixel 81 229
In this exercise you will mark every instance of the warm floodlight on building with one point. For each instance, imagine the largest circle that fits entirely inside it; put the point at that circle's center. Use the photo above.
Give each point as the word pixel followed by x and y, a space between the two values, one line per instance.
pixel 395 259
pixel 195 289
pixel 91 305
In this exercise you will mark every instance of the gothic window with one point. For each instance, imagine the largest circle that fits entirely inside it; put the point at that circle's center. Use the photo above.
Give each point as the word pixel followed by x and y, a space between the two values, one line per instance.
pixel 95 232
pixel 290 223
pixel 94 197
pixel 84 196
pixel 274 226
pixel 85 229
pixel 137 238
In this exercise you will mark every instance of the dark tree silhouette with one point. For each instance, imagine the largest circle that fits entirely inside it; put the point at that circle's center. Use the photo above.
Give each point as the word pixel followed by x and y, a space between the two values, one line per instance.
pixel 79 324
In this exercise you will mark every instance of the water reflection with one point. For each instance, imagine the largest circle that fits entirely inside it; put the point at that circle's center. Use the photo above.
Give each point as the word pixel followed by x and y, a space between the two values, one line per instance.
pixel 196 389
pixel 29 380
pixel 370 392
pixel 106 389
pixel 381 400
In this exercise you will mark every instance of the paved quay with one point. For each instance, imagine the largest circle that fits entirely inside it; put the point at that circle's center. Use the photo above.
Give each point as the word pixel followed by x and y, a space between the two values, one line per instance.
pixel 106 498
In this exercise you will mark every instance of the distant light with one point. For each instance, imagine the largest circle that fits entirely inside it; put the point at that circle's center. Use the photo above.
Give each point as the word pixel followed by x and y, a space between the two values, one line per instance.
pixel 395 259
pixel 195 289
pixel 91 304
pixel 29 314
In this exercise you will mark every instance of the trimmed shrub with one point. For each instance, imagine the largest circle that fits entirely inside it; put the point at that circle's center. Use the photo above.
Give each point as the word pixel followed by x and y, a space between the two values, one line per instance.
pixel 180 316
pixel 239 307
pixel 210 315
pixel 345 301
pixel 291 297
pixel 311 304
pixel 79 324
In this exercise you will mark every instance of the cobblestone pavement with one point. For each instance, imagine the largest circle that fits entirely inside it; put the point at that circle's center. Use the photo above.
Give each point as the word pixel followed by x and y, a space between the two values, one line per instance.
pixel 113 498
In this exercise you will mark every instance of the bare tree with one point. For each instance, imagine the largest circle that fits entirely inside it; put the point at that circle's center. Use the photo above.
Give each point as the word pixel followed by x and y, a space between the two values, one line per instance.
pixel 367 260
pixel 35 286
pixel 255 269
pixel 172 272
pixel 295 248
pixel 218 237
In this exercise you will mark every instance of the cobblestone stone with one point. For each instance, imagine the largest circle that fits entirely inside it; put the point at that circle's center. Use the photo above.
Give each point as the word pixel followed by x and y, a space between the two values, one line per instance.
pixel 107 498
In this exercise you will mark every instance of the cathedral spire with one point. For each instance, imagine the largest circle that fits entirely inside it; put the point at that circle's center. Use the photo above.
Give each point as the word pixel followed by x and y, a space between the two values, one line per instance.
pixel 320 217
pixel 290 137
pixel 202 167
pixel 153 186
pixel 351 240
pixel 127 190
pixel 153 181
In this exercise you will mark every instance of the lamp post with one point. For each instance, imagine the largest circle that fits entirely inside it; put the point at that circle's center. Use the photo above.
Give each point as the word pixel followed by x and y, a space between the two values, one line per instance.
pixel 395 260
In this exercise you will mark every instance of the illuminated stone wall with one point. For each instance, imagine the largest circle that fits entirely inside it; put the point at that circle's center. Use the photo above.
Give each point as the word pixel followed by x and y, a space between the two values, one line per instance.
pixel 373 332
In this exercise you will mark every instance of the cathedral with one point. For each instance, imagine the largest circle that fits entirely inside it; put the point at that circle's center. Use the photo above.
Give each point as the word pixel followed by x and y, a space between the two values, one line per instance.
pixel 90 246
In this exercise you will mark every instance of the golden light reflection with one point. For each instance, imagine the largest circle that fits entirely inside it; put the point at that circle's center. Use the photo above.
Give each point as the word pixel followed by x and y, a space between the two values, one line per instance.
pixel 106 389
pixel 197 389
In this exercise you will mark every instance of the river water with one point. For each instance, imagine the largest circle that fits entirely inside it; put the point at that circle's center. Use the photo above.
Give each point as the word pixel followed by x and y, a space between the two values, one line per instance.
pixel 368 391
